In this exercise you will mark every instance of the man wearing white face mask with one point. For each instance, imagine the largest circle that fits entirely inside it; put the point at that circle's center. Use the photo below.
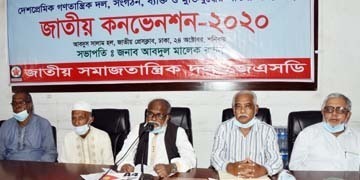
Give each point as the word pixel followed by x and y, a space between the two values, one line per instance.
pixel 26 136
pixel 245 146
pixel 164 150
pixel 86 144
pixel 330 145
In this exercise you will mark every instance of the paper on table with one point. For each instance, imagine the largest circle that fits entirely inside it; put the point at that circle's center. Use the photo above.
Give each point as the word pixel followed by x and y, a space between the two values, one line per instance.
pixel 225 175
pixel 93 176
pixel 112 175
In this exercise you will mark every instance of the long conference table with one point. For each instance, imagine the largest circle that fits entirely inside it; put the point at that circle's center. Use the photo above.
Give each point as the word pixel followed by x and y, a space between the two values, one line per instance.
pixel 27 170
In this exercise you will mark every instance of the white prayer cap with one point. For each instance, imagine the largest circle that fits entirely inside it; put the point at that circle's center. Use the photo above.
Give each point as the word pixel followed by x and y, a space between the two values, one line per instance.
pixel 81 106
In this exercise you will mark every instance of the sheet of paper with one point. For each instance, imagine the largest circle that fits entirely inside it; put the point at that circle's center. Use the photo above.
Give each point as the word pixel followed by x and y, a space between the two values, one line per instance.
pixel 113 175
pixel 93 176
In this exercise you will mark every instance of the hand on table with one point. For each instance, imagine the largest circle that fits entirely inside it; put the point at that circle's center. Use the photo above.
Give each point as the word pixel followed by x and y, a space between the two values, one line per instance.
pixel 127 168
pixel 246 169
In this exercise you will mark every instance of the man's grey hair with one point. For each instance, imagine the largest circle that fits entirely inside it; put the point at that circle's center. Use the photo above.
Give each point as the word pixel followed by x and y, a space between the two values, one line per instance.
pixel 242 93
pixel 167 104
pixel 337 95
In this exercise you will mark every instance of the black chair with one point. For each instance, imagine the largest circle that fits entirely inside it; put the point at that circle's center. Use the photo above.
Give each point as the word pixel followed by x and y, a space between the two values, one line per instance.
pixel 53 128
pixel 181 116
pixel 263 114
pixel 116 123
pixel 297 121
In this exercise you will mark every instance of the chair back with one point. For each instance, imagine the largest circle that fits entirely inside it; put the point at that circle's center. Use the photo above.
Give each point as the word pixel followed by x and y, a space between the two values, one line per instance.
pixel 181 117
pixel 116 123
pixel 53 128
pixel 263 115
pixel 297 121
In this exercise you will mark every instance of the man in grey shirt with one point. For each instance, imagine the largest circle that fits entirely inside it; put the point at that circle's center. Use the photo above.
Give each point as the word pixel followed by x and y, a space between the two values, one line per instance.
pixel 26 136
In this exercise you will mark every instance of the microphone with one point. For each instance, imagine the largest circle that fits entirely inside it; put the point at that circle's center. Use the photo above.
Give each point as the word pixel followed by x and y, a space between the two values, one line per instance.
pixel 149 126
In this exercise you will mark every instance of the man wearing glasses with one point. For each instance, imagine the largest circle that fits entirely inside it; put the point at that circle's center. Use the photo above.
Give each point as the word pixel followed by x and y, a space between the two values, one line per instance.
pixel 330 145
pixel 26 136
pixel 164 150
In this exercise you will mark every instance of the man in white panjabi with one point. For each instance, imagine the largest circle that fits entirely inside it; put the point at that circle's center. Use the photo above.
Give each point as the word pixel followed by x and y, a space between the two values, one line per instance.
pixel 330 145
pixel 163 151
pixel 86 144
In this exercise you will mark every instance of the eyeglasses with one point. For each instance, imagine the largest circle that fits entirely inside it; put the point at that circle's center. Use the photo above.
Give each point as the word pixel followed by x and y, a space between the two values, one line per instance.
pixel 15 103
pixel 339 109
pixel 150 114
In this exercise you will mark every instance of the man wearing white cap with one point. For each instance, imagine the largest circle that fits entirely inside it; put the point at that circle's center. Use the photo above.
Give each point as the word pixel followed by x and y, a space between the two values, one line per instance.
pixel 86 144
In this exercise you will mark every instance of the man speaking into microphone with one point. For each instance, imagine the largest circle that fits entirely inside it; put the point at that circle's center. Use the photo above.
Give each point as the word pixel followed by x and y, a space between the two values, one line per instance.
pixel 164 150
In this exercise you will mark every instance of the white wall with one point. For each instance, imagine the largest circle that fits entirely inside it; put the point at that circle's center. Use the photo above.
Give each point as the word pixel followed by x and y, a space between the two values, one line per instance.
pixel 5 90
pixel 339 44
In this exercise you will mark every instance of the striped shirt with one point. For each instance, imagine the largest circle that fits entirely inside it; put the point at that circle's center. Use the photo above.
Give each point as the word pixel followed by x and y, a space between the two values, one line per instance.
pixel 260 145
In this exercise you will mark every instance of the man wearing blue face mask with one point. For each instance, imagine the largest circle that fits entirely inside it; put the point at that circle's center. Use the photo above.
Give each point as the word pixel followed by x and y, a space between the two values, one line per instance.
pixel 330 145
pixel 245 146
pixel 86 144
pixel 164 150
pixel 26 136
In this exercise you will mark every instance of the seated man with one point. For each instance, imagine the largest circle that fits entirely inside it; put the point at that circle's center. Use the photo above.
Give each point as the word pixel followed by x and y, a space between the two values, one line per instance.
pixel 330 145
pixel 86 144
pixel 26 136
pixel 245 146
pixel 165 150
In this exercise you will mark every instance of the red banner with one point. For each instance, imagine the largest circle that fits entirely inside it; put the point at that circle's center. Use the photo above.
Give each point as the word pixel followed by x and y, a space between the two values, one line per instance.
pixel 160 70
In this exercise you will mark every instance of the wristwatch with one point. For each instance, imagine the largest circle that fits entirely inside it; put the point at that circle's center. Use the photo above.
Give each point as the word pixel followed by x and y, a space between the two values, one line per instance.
pixel 173 168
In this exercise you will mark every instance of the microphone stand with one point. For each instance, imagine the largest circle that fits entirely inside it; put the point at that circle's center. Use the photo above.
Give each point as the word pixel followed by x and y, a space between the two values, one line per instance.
pixel 148 127
pixel 143 175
